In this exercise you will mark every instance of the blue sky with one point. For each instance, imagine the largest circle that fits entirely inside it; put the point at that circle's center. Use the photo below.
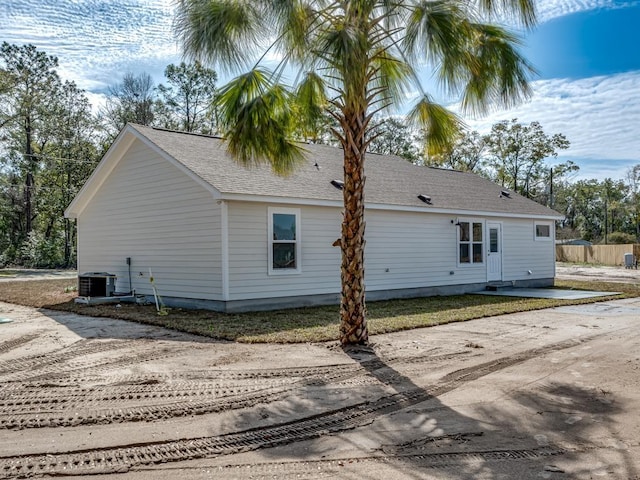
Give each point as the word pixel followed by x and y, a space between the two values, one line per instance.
pixel 597 42
pixel 587 53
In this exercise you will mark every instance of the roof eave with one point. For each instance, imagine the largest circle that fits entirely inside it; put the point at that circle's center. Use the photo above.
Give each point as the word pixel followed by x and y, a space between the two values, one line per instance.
pixel 240 197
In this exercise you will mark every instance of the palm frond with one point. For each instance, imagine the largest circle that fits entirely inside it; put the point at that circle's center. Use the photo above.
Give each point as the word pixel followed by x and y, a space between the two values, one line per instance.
pixel 311 100
pixel 257 122
pixel 436 31
pixel 440 126
pixel 391 75
pixel 521 11
pixel 293 23
pixel 497 72
pixel 224 33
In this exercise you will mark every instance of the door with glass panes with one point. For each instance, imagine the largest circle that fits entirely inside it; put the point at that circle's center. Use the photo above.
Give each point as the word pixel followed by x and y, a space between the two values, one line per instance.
pixel 494 252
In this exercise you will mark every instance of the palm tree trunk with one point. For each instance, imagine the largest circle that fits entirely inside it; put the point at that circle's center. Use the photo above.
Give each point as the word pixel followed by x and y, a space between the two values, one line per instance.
pixel 353 325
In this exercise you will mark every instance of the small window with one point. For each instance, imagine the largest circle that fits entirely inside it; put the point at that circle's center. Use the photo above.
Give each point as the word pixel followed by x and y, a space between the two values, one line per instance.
pixel 284 241
pixel 542 231
pixel 470 243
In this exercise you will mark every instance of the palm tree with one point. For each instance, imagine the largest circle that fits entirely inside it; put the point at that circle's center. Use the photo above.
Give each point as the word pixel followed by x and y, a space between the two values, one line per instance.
pixel 354 58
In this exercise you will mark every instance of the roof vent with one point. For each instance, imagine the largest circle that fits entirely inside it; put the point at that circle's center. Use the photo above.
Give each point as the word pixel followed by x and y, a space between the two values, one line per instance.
pixel 425 198
pixel 339 184
pixel 505 193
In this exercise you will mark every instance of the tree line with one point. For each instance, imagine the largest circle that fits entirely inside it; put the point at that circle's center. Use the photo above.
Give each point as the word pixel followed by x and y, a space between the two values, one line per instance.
pixel 51 139
pixel 517 156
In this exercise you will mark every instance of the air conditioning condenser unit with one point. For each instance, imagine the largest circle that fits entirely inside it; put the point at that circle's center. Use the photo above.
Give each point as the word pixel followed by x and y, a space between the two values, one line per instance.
pixel 96 284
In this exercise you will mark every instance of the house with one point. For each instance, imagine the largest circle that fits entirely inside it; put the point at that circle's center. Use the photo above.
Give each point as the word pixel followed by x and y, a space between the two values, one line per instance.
pixel 221 236
pixel 575 241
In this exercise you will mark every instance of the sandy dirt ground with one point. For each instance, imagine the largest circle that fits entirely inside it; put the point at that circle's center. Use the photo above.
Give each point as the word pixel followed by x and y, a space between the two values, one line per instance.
pixel 551 394
pixel 26 274
pixel 601 273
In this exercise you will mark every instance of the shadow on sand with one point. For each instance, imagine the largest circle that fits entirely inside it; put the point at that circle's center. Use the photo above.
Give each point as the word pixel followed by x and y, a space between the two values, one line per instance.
pixel 407 431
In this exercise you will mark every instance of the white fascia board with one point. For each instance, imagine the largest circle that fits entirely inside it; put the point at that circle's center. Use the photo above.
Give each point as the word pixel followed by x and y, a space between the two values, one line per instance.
pixel 466 213
pixel 243 197
pixel 380 206
pixel 109 161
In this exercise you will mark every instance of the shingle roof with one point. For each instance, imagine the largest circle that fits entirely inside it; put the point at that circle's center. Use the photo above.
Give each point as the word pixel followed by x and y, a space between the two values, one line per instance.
pixel 390 180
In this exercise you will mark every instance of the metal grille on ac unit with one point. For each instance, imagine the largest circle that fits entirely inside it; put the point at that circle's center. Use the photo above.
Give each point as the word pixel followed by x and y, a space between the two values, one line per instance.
pixel 96 284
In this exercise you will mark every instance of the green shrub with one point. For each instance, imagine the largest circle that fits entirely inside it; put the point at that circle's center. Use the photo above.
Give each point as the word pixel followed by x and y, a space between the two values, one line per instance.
pixel 8 257
pixel 620 238
pixel 40 252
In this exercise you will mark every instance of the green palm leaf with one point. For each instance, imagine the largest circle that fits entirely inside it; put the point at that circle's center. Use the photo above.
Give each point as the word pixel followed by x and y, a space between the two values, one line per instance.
pixel 441 126
pixel 225 33
pixel 498 74
pixel 257 120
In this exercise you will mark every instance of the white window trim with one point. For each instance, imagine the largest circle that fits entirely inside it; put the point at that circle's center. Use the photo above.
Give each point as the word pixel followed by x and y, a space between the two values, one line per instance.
pixel 543 239
pixel 282 271
pixel 472 264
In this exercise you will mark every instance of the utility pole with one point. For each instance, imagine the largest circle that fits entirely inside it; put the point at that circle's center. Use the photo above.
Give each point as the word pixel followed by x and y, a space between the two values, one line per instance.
pixel 606 220
pixel 551 187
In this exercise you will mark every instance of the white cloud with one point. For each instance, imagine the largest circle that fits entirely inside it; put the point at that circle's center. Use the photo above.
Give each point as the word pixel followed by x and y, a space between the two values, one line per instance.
pixel 600 169
pixel 599 116
pixel 97 100
pixel 549 9
pixel 95 41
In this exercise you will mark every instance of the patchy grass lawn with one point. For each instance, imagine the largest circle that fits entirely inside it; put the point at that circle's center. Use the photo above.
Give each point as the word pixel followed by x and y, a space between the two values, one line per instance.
pixel 315 324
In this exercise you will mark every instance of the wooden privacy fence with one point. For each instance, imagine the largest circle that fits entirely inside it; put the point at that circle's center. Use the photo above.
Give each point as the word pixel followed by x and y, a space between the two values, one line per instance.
pixel 600 254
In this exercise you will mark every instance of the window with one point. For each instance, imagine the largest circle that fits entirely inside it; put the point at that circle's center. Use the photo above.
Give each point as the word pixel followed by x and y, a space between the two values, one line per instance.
pixel 470 243
pixel 542 231
pixel 284 241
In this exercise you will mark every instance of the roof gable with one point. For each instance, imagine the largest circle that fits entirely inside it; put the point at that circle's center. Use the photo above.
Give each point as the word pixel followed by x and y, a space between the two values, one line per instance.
pixel 112 158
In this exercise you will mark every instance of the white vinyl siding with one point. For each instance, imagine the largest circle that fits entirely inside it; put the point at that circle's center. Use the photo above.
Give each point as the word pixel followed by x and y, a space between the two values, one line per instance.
pixel 150 211
pixel 522 253
pixel 403 250
pixel 249 259
pixel 413 250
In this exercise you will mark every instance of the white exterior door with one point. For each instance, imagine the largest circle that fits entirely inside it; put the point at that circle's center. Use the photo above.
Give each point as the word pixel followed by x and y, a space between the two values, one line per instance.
pixel 494 252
